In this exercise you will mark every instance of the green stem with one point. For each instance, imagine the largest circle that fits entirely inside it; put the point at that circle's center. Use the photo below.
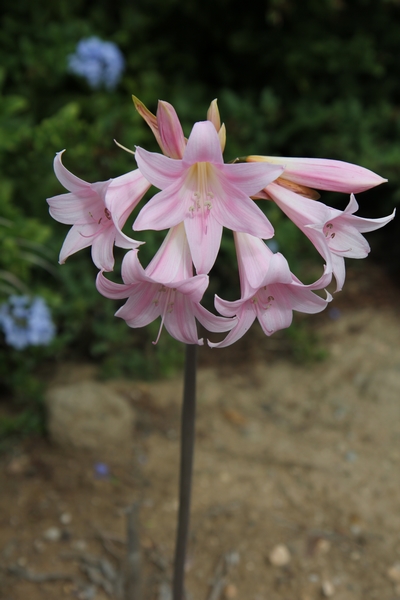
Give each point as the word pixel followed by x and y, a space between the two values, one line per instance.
pixel 185 483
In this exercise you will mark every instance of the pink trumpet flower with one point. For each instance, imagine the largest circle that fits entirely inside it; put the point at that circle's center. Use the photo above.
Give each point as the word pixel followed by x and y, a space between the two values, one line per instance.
pixel 269 291
pixel 165 288
pixel 204 193
pixel 335 234
pixel 97 213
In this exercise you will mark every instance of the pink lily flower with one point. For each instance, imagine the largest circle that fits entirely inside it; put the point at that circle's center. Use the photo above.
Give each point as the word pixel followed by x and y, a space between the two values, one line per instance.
pixel 335 234
pixel 269 291
pixel 97 213
pixel 204 193
pixel 166 288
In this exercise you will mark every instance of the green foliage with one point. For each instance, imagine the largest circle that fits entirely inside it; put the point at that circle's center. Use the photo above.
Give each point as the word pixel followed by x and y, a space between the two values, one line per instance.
pixel 312 78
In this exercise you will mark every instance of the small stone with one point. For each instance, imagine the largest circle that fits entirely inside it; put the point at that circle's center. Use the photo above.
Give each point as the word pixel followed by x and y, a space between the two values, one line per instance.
pixel 322 546
pixel 234 416
pixel 21 561
pixel 18 465
pixel 279 556
pixel 53 534
pixel 89 415
pixel 327 589
pixel 65 518
pixel 394 573
pixel 39 546
pixel 230 591
pixel 79 545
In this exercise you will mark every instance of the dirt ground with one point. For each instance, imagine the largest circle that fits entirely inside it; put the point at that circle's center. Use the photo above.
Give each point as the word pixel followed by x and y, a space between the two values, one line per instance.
pixel 296 482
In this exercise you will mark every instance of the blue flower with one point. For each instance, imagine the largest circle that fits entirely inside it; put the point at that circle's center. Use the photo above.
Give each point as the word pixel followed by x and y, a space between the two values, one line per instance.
pixel 100 63
pixel 26 322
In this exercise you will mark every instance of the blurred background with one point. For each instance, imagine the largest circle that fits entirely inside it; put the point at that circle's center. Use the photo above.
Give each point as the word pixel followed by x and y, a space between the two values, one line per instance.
pixel 315 78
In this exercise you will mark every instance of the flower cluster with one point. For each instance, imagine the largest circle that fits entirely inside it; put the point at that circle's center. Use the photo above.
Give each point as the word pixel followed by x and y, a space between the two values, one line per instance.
pixel 100 63
pixel 26 322
pixel 199 196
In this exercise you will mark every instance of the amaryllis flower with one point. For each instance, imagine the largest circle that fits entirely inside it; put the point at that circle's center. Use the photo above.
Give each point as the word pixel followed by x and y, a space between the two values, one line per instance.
pixel 165 288
pixel 97 212
pixel 335 234
pixel 269 291
pixel 204 193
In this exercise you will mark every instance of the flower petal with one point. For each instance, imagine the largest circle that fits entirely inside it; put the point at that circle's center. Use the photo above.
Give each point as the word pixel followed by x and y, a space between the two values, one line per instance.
pixel 212 322
pixel 246 316
pixel 251 180
pixel 102 249
pixel 204 236
pixel 325 174
pixel 172 139
pixel 164 210
pixel 180 322
pixel 76 239
pixel 141 308
pixel 236 211
pixel 203 145
pixel 109 289
pixel 158 169
pixel 66 178
pixel 72 209
pixel 172 261
pixel 123 195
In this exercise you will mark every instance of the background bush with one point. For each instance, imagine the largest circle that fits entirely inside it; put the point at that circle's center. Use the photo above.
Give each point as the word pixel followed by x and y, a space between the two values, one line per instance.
pixel 313 78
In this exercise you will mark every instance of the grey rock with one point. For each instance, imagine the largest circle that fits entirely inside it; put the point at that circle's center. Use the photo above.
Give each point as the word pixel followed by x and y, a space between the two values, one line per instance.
pixel 88 415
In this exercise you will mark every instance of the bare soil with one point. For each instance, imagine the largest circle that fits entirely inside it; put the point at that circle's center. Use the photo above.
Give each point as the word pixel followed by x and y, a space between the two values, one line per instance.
pixel 305 456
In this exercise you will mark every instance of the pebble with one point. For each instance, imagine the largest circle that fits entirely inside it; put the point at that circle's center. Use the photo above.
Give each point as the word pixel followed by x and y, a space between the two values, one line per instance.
pixel 79 545
pixel 322 546
pixel 279 556
pixel 18 465
pixel 230 591
pixel 39 546
pixel 53 534
pixel 327 589
pixel 394 573
pixel 65 518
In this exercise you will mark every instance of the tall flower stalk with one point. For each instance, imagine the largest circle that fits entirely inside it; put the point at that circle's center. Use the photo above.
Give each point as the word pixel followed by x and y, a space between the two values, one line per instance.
pixel 200 195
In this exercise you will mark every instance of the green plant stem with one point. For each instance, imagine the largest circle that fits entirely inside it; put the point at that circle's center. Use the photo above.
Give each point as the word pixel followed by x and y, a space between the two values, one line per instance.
pixel 186 468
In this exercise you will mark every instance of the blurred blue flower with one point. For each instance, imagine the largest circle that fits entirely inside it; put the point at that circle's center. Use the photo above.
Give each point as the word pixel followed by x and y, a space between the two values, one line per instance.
pixel 101 470
pixel 100 63
pixel 26 322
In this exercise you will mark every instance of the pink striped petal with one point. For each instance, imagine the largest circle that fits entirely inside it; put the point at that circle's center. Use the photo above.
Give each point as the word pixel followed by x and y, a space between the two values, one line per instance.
pixel 203 145
pixel 251 180
pixel 77 238
pixel 66 178
pixel 325 174
pixel 109 289
pixel 159 170
pixel 204 235
pixel 173 142
pixel 164 210
pixel 246 317
pixel 71 209
pixel 238 212
pixel 180 321
pixel 212 322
